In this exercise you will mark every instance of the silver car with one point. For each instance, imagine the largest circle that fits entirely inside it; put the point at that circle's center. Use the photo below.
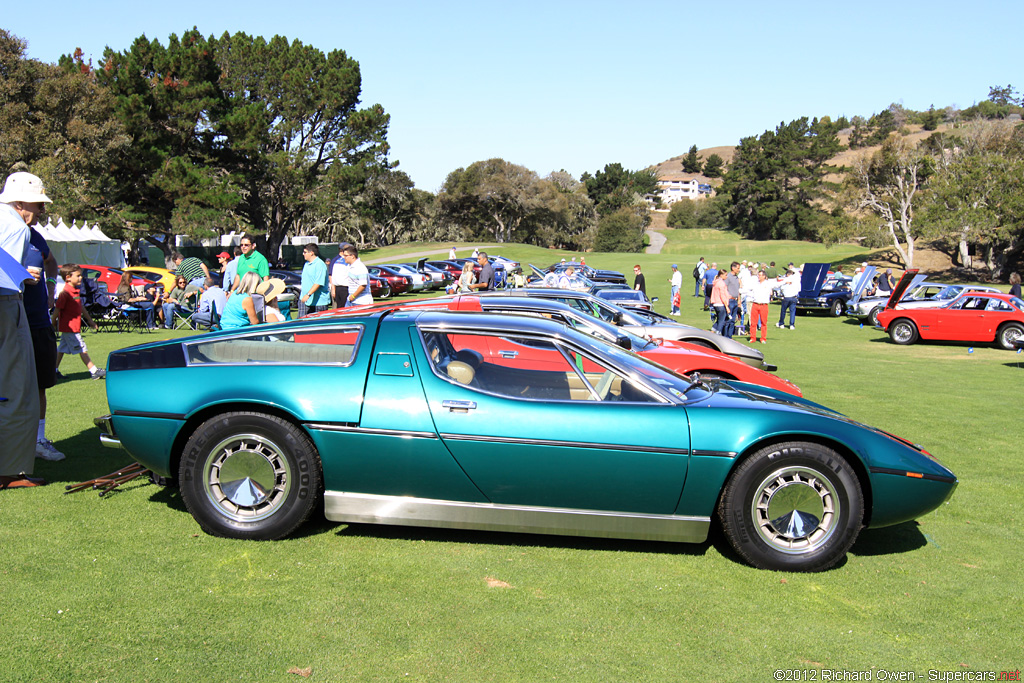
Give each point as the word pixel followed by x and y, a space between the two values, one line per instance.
pixel 645 323
pixel 920 294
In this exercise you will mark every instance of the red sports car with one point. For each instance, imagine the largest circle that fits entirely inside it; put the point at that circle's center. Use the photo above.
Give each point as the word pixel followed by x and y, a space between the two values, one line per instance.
pixel 108 275
pixel 678 356
pixel 976 317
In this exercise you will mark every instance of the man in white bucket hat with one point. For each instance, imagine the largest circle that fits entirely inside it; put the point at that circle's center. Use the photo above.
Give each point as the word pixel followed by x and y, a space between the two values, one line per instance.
pixel 21 204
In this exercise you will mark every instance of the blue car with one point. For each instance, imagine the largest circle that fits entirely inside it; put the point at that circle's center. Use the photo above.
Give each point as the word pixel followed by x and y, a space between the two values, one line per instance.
pixel 467 420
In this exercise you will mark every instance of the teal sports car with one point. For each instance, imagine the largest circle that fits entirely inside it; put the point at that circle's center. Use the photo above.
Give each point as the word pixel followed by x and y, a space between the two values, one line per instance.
pixel 467 420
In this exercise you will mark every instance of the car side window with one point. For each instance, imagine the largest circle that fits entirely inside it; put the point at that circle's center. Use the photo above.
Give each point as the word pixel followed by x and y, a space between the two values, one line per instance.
pixel 525 368
pixel 329 346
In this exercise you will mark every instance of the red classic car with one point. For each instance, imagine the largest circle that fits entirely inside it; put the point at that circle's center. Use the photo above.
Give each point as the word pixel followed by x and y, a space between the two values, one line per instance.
pixel 976 317
pixel 108 275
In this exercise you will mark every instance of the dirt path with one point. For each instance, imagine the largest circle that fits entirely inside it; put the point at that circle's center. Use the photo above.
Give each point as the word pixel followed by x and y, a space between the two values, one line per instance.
pixel 657 242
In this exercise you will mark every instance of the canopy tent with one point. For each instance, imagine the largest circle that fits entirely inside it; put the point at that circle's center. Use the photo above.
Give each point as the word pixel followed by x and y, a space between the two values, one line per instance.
pixel 81 244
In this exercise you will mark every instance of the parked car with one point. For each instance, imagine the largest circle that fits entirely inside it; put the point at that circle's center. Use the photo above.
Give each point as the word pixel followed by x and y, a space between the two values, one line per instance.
pixel 820 291
pixel 591 273
pixel 417 280
pixel 649 326
pixel 439 278
pixel 109 276
pixel 379 288
pixel 398 283
pixel 625 297
pixel 920 294
pixel 679 356
pixel 975 317
pixel 436 418
pixel 451 267
pixel 161 276
pixel 292 280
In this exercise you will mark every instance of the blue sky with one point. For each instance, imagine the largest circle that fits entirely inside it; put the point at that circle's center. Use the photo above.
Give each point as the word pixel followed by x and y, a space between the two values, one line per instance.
pixel 577 85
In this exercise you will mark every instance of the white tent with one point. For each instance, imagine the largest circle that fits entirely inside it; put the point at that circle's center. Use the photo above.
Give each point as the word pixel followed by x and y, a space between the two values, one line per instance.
pixel 82 245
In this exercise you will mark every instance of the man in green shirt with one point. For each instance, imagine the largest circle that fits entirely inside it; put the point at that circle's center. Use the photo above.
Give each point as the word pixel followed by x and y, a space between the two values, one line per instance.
pixel 250 260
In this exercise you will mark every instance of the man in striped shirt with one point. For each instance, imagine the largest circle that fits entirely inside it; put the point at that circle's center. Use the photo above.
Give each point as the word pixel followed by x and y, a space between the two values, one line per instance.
pixel 192 269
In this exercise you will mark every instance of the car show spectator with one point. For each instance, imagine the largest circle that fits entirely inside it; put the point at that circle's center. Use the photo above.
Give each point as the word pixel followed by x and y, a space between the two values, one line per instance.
pixel 21 202
pixel 567 280
pixel 194 270
pixel 250 261
pixel 485 278
pixel 732 283
pixel 314 291
pixel 357 278
pixel 790 292
pixel 467 279
pixel 1015 284
pixel 180 300
pixel 761 296
pixel 230 270
pixel 676 282
pixel 146 301
pixel 709 280
pixel 720 303
pixel 451 253
pixel 240 310
pixel 885 283
pixel 68 314
pixel 639 282
pixel 339 277
pixel 38 298
pixel 211 304
pixel 270 290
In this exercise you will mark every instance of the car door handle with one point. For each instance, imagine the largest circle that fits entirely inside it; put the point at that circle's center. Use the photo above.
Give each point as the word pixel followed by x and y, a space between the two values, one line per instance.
pixel 459 405
pixel 508 354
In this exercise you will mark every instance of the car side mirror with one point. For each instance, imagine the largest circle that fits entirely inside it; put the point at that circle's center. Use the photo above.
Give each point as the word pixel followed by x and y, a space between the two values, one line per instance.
pixel 623 341
pixel 617 317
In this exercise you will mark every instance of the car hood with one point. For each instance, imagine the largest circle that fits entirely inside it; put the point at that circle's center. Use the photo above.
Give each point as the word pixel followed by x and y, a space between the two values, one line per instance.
pixel 812 278
pixel 901 287
pixel 860 283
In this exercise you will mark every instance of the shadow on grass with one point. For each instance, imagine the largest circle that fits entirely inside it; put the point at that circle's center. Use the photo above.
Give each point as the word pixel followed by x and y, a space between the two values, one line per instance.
pixel 429 534
pixel 901 538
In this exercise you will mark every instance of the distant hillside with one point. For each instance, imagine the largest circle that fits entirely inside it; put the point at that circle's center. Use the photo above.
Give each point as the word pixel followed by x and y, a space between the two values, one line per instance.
pixel 844 158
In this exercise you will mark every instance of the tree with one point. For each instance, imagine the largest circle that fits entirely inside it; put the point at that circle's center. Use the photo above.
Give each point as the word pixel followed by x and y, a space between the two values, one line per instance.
pixel 1003 96
pixel 778 183
pixel 931 119
pixel 492 195
pixel 59 124
pixel 886 183
pixel 974 203
pixel 294 131
pixel 615 187
pixel 620 231
pixel 682 215
pixel 691 162
pixel 714 166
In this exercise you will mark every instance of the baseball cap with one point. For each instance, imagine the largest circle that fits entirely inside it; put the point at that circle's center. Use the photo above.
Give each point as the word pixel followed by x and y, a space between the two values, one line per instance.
pixel 223 254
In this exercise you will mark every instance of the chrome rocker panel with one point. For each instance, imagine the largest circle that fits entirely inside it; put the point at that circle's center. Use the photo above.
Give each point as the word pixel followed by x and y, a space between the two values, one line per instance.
pixel 367 508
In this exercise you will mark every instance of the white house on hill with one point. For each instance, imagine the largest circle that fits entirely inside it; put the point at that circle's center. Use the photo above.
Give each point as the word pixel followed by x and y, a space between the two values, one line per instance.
pixel 676 186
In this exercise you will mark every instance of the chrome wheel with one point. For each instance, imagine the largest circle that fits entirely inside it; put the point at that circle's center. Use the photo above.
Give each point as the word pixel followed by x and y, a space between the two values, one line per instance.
pixel 1009 335
pixel 247 477
pixel 903 332
pixel 795 509
pixel 250 475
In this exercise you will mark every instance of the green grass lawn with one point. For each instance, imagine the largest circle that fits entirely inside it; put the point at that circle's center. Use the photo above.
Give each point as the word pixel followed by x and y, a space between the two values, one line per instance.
pixel 127 588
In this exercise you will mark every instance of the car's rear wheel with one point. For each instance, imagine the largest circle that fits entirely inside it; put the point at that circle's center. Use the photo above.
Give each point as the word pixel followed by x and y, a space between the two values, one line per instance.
pixel 1008 334
pixel 903 331
pixel 249 475
pixel 836 309
pixel 385 292
pixel 701 342
pixel 794 506
pixel 873 316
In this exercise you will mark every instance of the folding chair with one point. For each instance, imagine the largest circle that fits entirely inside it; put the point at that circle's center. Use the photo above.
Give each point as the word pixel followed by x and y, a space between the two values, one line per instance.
pixel 183 320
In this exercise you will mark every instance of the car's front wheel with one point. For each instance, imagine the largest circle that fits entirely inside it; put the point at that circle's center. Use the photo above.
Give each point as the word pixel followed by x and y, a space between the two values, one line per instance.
pixel 249 475
pixel 1008 334
pixel 795 506
pixel 903 331
pixel 836 309
pixel 873 315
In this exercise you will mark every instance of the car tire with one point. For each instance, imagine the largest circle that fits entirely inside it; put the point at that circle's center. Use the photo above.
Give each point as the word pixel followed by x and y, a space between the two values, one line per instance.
pixel 836 309
pixel 873 315
pixel 794 506
pixel 1008 334
pixel 903 331
pixel 697 341
pixel 249 475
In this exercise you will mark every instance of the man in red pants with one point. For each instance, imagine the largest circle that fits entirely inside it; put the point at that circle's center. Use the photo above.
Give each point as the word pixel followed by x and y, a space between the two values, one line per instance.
pixel 759 308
